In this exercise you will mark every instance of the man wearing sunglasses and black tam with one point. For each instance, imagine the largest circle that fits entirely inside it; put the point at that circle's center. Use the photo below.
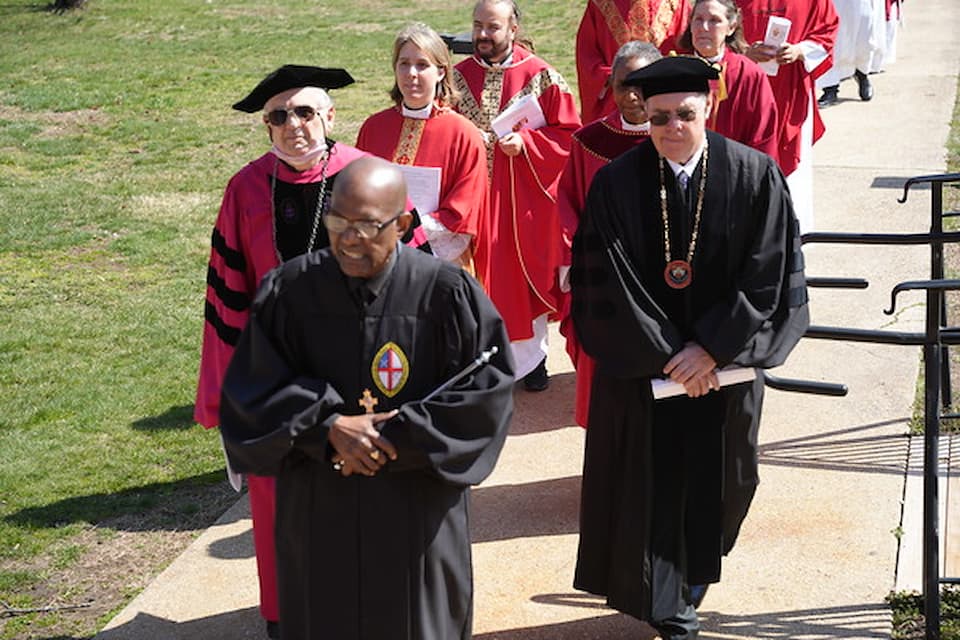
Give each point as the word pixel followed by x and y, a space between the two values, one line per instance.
pixel 271 212
pixel 686 261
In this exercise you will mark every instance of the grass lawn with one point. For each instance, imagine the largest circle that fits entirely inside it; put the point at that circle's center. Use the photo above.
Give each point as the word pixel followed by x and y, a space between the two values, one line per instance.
pixel 116 140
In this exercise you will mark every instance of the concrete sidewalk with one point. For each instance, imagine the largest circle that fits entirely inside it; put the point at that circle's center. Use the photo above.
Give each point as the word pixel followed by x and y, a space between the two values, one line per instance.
pixel 818 552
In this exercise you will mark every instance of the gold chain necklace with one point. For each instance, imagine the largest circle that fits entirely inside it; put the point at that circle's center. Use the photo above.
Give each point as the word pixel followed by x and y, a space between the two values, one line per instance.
pixel 679 273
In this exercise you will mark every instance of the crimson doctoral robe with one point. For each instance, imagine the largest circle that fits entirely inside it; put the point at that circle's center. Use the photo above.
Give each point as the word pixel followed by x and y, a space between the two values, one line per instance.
pixel 607 25
pixel 593 147
pixel 266 216
pixel 517 255
pixel 446 140
pixel 793 86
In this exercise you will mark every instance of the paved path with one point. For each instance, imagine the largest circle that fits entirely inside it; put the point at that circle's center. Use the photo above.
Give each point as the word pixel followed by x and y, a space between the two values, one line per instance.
pixel 817 554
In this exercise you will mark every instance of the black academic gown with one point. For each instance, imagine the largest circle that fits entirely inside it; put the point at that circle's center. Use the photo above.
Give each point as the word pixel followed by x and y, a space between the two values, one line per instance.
pixel 386 557
pixel 666 484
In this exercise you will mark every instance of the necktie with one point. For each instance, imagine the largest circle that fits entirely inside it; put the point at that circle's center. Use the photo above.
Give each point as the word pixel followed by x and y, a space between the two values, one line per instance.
pixel 683 179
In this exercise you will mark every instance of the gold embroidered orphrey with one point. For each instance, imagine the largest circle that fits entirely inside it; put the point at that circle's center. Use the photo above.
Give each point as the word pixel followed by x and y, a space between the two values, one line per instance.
pixel 639 23
pixel 410 134
pixel 484 112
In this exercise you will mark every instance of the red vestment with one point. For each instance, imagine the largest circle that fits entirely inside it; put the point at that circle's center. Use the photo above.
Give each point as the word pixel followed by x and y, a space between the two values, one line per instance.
pixel 607 25
pixel 811 20
pixel 243 251
pixel 593 146
pixel 748 114
pixel 516 255
pixel 446 140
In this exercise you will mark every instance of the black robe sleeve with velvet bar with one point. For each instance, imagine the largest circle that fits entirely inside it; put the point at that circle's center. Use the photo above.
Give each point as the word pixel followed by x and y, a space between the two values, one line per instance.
pixel 385 557
pixel 692 462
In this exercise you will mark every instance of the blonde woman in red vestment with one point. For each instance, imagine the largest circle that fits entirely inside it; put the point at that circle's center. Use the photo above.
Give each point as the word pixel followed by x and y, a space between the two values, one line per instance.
pixel 424 136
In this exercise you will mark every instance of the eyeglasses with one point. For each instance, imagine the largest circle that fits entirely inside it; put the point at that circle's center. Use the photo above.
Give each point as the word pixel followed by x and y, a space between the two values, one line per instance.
pixel 662 118
pixel 278 117
pixel 366 229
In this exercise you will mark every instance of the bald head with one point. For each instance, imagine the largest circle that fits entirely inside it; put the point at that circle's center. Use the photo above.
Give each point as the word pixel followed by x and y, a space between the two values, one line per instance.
pixel 367 216
pixel 372 179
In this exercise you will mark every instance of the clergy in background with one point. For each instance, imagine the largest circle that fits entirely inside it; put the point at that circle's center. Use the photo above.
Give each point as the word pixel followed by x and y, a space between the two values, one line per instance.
pixel 270 213
pixel 797 63
pixel 527 115
pixel 441 152
pixel 594 146
pixel 607 25
pixel 676 282
pixel 337 388
pixel 744 108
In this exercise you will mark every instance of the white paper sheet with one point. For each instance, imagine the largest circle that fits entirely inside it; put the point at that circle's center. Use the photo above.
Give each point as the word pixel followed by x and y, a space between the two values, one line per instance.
pixel 778 29
pixel 525 113
pixel 423 187
pixel 666 388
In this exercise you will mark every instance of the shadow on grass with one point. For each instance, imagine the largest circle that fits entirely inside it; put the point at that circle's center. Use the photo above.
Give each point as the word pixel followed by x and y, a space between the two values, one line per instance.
pixel 11 8
pixel 173 418
pixel 190 503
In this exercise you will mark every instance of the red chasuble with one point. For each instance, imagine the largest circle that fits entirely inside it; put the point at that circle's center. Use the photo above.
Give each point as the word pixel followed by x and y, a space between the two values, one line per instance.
pixel 446 140
pixel 748 113
pixel 609 24
pixel 517 255
pixel 593 147
pixel 243 251
pixel 813 20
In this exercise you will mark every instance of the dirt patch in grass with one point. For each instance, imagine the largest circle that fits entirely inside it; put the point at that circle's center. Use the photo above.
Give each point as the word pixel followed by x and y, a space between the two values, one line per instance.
pixel 103 567
pixel 57 123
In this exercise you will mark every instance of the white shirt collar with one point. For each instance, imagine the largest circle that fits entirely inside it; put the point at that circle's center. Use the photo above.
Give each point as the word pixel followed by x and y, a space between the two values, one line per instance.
pixel 629 126
pixel 717 57
pixel 503 64
pixel 416 114
pixel 691 165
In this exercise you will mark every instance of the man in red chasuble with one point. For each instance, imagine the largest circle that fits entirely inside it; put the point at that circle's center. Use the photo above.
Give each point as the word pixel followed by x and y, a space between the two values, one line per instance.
pixel 609 24
pixel 517 254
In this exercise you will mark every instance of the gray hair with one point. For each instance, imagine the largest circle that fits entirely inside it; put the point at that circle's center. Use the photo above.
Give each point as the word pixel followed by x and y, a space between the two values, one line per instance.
pixel 635 49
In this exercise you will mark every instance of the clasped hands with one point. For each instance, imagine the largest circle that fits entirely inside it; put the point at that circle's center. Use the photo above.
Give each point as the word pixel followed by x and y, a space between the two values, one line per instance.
pixel 695 369
pixel 358 445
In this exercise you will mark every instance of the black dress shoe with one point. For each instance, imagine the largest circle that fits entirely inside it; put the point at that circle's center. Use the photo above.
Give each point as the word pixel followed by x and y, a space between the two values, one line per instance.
pixel 537 380
pixel 829 96
pixel 273 630
pixel 863 82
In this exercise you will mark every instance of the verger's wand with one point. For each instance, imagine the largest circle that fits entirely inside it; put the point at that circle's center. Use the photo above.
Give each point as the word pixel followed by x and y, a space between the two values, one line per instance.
pixel 481 360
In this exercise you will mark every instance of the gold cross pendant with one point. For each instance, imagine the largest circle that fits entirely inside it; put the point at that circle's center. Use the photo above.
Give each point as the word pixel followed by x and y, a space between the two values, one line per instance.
pixel 367 401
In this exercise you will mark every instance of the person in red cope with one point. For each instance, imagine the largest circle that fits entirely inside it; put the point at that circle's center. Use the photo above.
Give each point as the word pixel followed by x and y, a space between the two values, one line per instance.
pixel 607 25
pixel 271 212
pixel 744 107
pixel 594 146
pixel 422 130
pixel 517 254
pixel 798 62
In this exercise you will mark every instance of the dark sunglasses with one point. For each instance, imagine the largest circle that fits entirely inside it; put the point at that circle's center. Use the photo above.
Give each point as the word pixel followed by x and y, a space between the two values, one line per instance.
pixel 278 117
pixel 366 229
pixel 663 118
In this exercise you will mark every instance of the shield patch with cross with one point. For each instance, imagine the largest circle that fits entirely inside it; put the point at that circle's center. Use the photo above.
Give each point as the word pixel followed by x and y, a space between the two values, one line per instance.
pixel 390 369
